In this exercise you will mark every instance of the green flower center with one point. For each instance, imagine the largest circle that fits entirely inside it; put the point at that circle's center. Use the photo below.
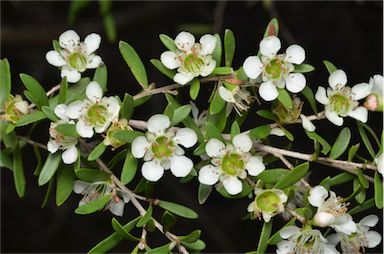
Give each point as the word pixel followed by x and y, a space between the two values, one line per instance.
pixel 340 103
pixel 268 201
pixel 97 114
pixel 193 63
pixel 78 61
pixel 232 164
pixel 275 68
pixel 163 147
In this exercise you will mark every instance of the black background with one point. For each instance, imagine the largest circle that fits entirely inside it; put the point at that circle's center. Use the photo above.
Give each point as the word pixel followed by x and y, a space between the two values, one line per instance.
pixel 347 33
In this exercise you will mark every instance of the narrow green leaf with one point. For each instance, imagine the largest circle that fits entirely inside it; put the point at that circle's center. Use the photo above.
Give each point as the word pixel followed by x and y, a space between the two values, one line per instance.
pixel 217 104
pixel 235 129
pixel 94 205
pixel 67 129
pixel 365 139
pixel 18 172
pixel 264 237
pixel 293 177
pixel 65 180
pixel 56 45
pixel 180 114
pixel 160 250
pixel 304 68
pixel 167 220
pixel 178 209
pixel 288 134
pixel 6 159
pixel 101 77
pixel 352 151
pixel 49 168
pixel 168 42
pixel 260 132
pixel 30 118
pixel 129 168
pixel 74 8
pixel 276 238
pixel 204 192
pixel 194 88
pixel 341 178
pixel 127 136
pixel 97 151
pixel 272 176
pixel 109 26
pixel 358 192
pixel 267 114
pixel 146 217
pixel 91 175
pixel 35 89
pixel 368 204
pixel 63 91
pixel 218 51
pixel 212 131
pixel 284 98
pixel 363 181
pixel 229 46
pixel 272 28
pixel 330 66
pixel 5 80
pixel 134 63
pixel 127 106
pixel 119 229
pixel 219 120
pixel 198 245
pixel 222 71
pixel 317 138
pixel 191 237
pixel 373 134
pixel 167 72
pixel 341 143
pixel 308 94
pixel 47 193
pixel 378 184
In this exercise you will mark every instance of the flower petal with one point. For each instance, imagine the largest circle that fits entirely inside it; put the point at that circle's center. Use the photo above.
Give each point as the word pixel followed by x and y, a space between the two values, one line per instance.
pixel 379 160
pixel 69 40
pixel 373 238
pixel 117 208
pixel 94 92
pixel 94 62
pixel 317 195
pixel 295 54
pixel 337 77
pixel 253 67
pixel 321 96
pixel 60 111
pixel 209 175
pixel 232 185
pixel 181 166
pixel 80 186
pixel 361 91
pixel 359 113
pixel 84 130
pixel 208 68
pixel 182 78
pixel 285 247
pixel 334 118
pixel 184 41
pixel 53 57
pixel 295 82
pixel 92 42
pixel 323 219
pixel 169 59
pixel 158 123
pixel 268 91
pixel 242 143
pixel 226 95
pixel 72 75
pixel 289 231
pixel 74 109
pixel 345 224
pixel 255 165
pixel 277 132
pixel 139 146
pixel 214 148
pixel 53 146
pixel 369 221
pixel 208 44
pixel 270 46
pixel 152 171
pixel 307 124
pixel 186 137
pixel 69 156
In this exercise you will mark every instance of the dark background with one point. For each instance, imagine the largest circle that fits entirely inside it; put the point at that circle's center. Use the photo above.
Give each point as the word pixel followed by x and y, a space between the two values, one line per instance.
pixel 347 33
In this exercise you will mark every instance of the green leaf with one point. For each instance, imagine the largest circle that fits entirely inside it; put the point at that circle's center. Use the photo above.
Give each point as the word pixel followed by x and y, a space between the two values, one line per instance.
pixel 129 168
pixel 6 159
pixel 284 98
pixel 67 129
pixel 65 180
pixel 5 80
pixel 178 209
pixel 198 245
pixel 235 129
pixel 308 94
pixel 378 184
pixel 47 193
pixel 204 192
pixel 30 118
pixel 63 91
pixel 264 237
pixel 330 66
pixel 167 72
pixel 272 176
pixel 272 28
pixel 109 26
pixel 180 114
pixel 49 168
pixel 219 120
pixel 119 229
pixel 94 205
pixel 358 192
pixel 167 220
pixel 191 237
pixel 212 131
pixel 146 217
pixel 56 45
pixel 74 8
pixel 127 136
pixel 160 250
pixel 260 132
pixel 168 42
pixel 373 134
pixel 341 178
pixel 365 139
pixel 266 114
pixel 293 177
pixel 101 77
pixel 341 143
pixel 317 138
pixel 218 51
pixel 97 151
pixel 35 89
pixel 363 181
pixel 352 151
pixel 276 238
pixel 127 106
pixel 368 204
pixel 134 63
pixel 229 46
pixel 304 68
pixel 18 172
pixel 222 71
pixel 217 104
pixel 91 175
pixel 194 88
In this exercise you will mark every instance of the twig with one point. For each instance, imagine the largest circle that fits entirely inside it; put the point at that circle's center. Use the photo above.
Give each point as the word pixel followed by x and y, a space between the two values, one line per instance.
pixel 34 143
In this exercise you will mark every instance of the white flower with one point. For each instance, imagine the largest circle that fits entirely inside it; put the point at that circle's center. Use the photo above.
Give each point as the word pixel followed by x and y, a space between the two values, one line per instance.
pixel 374 101
pixel 14 108
pixel 379 161
pixel 74 56
pixel 94 113
pixel 190 59
pixel 307 124
pixel 59 141
pixel 276 70
pixel 303 241
pixel 341 101
pixel 161 149
pixel 237 96
pixel 330 210
pixel 361 239
pixel 268 203
pixel 230 162
pixel 92 191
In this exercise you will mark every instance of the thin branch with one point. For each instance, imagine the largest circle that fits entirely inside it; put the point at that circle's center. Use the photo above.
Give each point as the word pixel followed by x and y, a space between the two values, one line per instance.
pixel 31 142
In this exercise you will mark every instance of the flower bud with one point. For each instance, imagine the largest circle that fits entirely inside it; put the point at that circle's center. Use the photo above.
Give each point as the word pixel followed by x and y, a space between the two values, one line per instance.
pixel 14 108
pixel 286 115
pixel 116 126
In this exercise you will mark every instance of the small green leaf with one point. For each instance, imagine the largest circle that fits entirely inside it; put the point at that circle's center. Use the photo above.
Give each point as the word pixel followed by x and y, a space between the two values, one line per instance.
pixel 65 180
pixel 127 106
pixel 267 114
pixel 160 250
pixel 134 63
pixel 198 245
pixel 204 192
pixel 352 151
pixel 229 46
pixel 317 138
pixel 358 192
pixel 194 88
pixel 119 229
pixel 56 44
pixel 365 139
pixel 91 175
pixel 167 72
pixel 168 42
pixel 284 98
pixel 191 237
pixel 67 129
pixel 18 172
pixel 222 71
pixel 178 209
pixel 180 114
pixel 264 237
pixel 308 94
pixel 330 66
pixel 272 28
pixel 235 129
pixel 272 176
pixel 304 68
pixel 97 151
pixel 212 131
pixel 218 51
pixel 49 168
pixel 74 8
pixel 101 77
pixel 293 177
pixel 129 168
pixel 63 91
pixel 167 220
pixel 341 178
pixel 368 204
pixel 109 26
pixel 30 118
pixel 341 143
pixel 127 136
pixel 93 206
pixel 146 217
pixel 378 184
pixel 5 80
pixel 363 181
pixel 217 104
pixel 260 132
pixel 35 89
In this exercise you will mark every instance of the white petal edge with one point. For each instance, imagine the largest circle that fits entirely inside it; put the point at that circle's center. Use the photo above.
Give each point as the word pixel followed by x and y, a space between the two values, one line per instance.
pixel 295 54
pixel 289 231
pixel 158 123
pixel 181 166
pixel 373 238
pixel 232 185
pixel 317 195
pixel 92 42
pixel 74 109
pixel 369 221
pixel 69 156
pixel 186 137
pixel 226 95
pixel 307 124
pixel 93 91
pixel 84 130
pixel 208 68
pixel 169 59
pixel 268 91
pixel 72 75
pixel 209 175
pixel 321 95
pixel 295 82
pixel 53 57
pixel 270 46
pixel 139 146
pixel 182 78
pixel 334 118
pixel 208 43
pixel 253 67
pixel 69 40
pixel 152 171
pixel 359 113
pixel 60 111
pixel 184 41
pixel 337 77
pixel 117 208
pixel 255 165
pixel 53 146
pixel 361 91
pixel 214 148
pixel 242 143
pixel 80 186
pixel 277 132
pixel 94 62
pixel 323 219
